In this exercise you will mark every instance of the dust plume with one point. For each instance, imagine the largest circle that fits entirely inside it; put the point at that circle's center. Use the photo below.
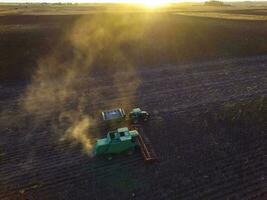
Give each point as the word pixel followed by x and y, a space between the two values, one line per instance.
pixel 78 131
pixel 88 71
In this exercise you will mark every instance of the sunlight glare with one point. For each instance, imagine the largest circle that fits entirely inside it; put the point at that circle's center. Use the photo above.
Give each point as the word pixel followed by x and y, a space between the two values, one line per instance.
pixel 153 3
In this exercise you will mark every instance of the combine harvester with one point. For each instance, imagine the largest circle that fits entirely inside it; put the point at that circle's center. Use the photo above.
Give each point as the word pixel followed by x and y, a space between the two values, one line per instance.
pixel 122 140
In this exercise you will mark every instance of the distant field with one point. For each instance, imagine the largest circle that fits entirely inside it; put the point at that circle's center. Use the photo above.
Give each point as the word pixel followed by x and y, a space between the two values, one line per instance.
pixel 220 15
pixel 78 9
pixel 177 34
pixel 229 13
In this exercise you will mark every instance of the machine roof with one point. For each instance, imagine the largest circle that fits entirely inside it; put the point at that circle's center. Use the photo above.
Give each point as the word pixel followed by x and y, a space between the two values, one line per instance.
pixel 124 129
pixel 102 141
pixel 136 110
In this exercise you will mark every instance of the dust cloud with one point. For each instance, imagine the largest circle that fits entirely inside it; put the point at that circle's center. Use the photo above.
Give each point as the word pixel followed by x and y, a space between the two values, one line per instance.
pixel 93 72
pixel 78 131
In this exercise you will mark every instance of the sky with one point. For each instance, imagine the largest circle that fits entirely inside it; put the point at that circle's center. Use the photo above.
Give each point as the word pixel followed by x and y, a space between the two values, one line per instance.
pixel 99 1
pixel 108 1
pixel 86 1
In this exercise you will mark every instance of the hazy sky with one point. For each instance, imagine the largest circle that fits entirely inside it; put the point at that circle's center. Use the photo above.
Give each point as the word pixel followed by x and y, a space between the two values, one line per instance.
pixel 84 1
pixel 101 1
pixel 87 1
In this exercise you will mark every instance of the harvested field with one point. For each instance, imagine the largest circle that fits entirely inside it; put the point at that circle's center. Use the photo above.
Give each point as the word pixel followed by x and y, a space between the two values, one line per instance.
pixel 229 16
pixel 204 128
pixel 206 93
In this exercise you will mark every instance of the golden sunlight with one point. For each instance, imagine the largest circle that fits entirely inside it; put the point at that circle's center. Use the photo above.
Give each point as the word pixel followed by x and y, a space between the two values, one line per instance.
pixel 153 3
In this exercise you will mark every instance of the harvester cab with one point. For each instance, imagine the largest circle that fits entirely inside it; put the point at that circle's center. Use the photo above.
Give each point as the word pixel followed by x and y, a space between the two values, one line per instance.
pixel 138 115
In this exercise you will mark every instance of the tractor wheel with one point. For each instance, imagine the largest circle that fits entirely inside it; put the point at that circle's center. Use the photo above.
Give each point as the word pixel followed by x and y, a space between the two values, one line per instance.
pixel 145 118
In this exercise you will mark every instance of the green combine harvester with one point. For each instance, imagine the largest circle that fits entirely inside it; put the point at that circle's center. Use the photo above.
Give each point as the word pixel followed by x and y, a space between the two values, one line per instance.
pixel 123 140
pixel 116 142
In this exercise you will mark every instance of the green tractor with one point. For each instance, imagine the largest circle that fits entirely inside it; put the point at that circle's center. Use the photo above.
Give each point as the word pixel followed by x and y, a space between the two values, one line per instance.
pixel 138 115
pixel 116 142
pixel 117 116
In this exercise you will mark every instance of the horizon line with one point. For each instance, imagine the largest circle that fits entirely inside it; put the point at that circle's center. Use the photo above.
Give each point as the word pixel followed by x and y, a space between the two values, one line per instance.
pixel 119 1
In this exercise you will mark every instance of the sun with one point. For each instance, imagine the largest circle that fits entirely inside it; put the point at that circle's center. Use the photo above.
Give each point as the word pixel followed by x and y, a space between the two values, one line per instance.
pixel 153 3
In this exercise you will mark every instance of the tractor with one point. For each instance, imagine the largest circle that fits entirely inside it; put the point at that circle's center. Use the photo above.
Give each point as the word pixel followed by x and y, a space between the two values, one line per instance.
pixel 116 142
pixel 116 116
pixel 138 115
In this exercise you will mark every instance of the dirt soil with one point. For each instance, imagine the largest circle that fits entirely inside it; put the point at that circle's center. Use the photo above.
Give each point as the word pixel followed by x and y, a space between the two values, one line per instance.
pixel 208 128
pixel 204 82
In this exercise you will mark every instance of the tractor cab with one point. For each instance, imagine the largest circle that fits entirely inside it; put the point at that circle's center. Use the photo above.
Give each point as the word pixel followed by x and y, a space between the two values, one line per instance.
pixel 138 115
